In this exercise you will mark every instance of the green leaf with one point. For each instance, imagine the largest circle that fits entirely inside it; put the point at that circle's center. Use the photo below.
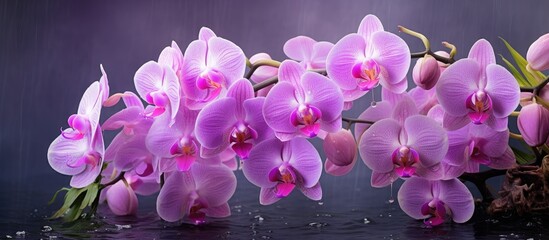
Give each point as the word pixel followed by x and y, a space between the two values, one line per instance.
pixel 55 195
pixel 520 79
pixel 521 63
pixel 522 157
pixel 91 193
pixel 70 198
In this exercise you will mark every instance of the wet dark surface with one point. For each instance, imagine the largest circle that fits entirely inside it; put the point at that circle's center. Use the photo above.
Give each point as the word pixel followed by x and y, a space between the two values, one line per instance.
pixel 50 52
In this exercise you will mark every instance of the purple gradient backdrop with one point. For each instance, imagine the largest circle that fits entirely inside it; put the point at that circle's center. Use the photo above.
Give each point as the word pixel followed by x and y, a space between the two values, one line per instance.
pixel 50 51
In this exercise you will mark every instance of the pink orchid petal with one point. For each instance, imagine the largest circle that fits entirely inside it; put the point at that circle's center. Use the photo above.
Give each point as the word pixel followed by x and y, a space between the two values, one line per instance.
pixel 451 171
pixel 278 107
pixel 483 53
pixel 184 162
pixel 214 183
pixel 369 25
pixel 291 72
pixel 172 89
pixel 394 56
pixel 305 160
pixel 380 111
pixel 194 62
pixel 171 57
pixel 314 193
pixel 458 198
pixel 497 124
pixel 336 170
pixel 378 143
pixel 263 158
pixel 319 55
pixel 299 48
pixel 205 34
pixel 90 105
pixel 451 122
pixel 174 200
pixel 505 161
pixel 404 109
pixel 324 94
pixel 267 196
pixel 242 149
pixel 494 143
pixel 123 117
pixel 435 172
pixel 122 199
pixel 284 189
pixel 220 211
pixel 241 90
pixel 436 113
pixel 381 180
pixel 148 78
pixel 131 154
pixel 254 117
pixel 214 122
pixel 413 194
pixel 456 84
pixel 63 150
pixel 86 177
pixel 227 58
pixel 428 138
pixel 503 90
pixel 341 59
pixel 458 149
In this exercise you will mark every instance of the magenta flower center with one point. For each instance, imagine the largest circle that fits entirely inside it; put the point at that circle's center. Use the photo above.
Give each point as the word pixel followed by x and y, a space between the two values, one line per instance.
pixel 307 118
pixel 285 178
pixel 477 155
pixel 437 210
pixel 185 153
pixel 212 81
pixel 80 124
pixel 479 105
pixel 240 138
pixel 404 159
pixel 367 74
pixel 160 100
pixel 196 214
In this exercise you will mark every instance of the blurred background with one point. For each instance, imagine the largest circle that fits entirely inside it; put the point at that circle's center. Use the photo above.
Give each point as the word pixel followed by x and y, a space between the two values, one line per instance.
pixel 50 52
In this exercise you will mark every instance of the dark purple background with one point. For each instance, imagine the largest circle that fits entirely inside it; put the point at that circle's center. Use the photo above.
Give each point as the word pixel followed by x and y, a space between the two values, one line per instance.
pixel 50 51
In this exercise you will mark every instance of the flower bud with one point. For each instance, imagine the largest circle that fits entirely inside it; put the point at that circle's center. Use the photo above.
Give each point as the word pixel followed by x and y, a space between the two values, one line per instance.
pixel 426 72
pixel 533 124
pixel 122 199
pixel 538 54
pixel 341 152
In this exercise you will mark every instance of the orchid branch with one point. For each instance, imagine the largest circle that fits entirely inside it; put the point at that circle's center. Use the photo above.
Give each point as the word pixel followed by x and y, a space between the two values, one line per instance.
pixel 479 179
pixel 115 180
pixel 259 63
pixel 535 90
pixel 427 45
pixel 356 120
pixel 274 80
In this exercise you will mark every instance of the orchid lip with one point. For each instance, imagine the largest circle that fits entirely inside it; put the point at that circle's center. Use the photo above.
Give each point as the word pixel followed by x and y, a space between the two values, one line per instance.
pixel 306 118
pixel 477 155
pixel 196 214
pixel 240 138
pixel 367 74
pixel 480 106
pixel 437 211
pixel 185 153
pixel 285 178
pixel 80 124
pixel 212 81
pixel 404 160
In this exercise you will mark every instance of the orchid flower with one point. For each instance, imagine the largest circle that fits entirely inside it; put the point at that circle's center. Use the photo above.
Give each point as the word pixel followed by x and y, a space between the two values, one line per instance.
pixel 433 200
pixel 361 61
pixel 235 121
pixel 278 167
pixel 177 145
pixel 262 73
pixel 402 146
pixel 202 191
pixel 477 90
pixel 79 150
pixel 302 103
pixel 210 66
pixel 310 53
pixel 121 199
pixel 473 145
pixel 158 85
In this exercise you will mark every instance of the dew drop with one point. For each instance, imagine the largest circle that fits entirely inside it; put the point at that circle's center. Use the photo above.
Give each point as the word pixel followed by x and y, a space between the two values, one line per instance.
pixel 20 233
pixel 391 198
pixel 367 221
pixel 46 229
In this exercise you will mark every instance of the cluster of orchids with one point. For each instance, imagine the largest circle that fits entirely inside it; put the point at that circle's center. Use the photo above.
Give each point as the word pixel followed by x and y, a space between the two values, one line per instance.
pixel 199 115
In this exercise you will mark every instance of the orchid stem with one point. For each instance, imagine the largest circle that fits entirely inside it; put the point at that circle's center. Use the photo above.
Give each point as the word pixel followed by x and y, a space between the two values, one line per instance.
pixel 274 80
pixel 516 136
pixel 479 179
pixel 259 63
pixel 427 45
pixel 118 178
pixel 356 120
pixel 514 114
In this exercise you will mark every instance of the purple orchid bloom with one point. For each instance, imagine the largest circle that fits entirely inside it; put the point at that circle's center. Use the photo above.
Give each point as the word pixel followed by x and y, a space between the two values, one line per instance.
pixel 310 53
pixel 302 103
pixel 172 57
pixel 433 200
pixel 473 145
pixel 158 85
pixel 235 121
pixel 477 90
pixel 210 66
pixel 263 73
pixel 361 61
pixel 278 167
pixel 121 199
pixel 177 145
pixel 341 152
pixel 402 146
pixel 79 150
pixel 202 191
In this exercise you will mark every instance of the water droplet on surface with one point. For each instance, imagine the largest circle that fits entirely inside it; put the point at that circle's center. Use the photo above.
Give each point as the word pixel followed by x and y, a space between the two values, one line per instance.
pixel 259 218
pixel 367 221
pixel 46 229
pixel 317 224
pixel 320 203
pixel 373 104
pixel 120 227
pixel 20 233
pixel 9 237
